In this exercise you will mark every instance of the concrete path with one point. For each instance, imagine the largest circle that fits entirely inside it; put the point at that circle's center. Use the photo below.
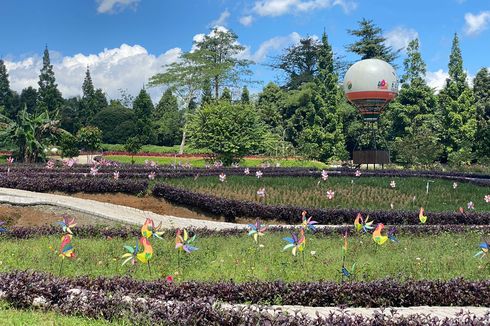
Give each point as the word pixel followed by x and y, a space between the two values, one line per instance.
pixel 117 213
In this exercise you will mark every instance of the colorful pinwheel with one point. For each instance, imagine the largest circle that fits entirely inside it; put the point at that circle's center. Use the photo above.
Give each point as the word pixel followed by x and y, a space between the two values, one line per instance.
pixel 149 229
pixel 66 248
pixel 67 223
pixel 147 253
pixel 256 230
pixel 131 254
pixel 422 217
pixel 296 242
pixel 377 237
pixel 183 242
pixel 2 229
pixel 484 247
pixel 307 224
pixel 391 234
pixel 360 224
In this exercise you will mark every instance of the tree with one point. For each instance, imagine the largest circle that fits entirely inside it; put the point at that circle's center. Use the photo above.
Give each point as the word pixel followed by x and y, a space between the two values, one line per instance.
pixel 5 92
pixel 269 107
pixel 230 131
pixel 207 94
pixel 69 115
pixel 30 134
pixel 116 123
pixel 69 146
pixel 371 43
pixel 217 53
pixel 481 89
pixel 89 139
pixel 299 62
pixel 456 111
pixel 49 97
pixel 28 99
pixel 226 96
pixel 168 120
pixel 100 99
pixel 143 110
pixel 133 146
pixel 415 68
pixel 245 98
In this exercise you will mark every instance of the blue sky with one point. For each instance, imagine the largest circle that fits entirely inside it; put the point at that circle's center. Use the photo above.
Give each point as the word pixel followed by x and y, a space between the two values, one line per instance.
pixel 126 41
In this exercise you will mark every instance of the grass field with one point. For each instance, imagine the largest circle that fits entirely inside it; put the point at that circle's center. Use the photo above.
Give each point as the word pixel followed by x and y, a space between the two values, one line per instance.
pixel 443 256
pixel 358 193
pixel 200 162
pixel 154 149
pixel 14 317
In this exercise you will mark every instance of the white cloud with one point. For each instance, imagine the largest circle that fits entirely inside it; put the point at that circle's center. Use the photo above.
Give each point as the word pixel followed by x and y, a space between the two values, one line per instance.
pixel 271 45
pixel 399 37
pixel 436 79
pixel 222 20
pixel 476 23
pixel 113 6
pixel 282 7
pixel 246 20
pixel 126 67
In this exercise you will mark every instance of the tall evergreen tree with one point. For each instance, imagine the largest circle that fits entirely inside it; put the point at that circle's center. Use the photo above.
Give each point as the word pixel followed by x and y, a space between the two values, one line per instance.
pixel 207 94
pixel 226 96
pixel 100 100
pixel 88 107
pixel 168 120
pixel 49 97
pixel 415 68
pixel 5 92
pixel 456 111
pixel 481 89
pixel 143 110
pixel 269 107
pixel 371 43
pixel 28 99
pixel 245 98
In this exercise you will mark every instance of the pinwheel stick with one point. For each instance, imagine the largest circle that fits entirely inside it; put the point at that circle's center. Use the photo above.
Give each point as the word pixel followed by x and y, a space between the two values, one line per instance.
pixel 149 268
pixel 61 265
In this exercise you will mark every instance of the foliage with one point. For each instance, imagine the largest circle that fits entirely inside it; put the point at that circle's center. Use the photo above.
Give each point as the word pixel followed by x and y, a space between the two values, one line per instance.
pixel 168 120
pixel 89 138
pixel 49 97
pixel 371 43
pixel 143 111
pixel 230 131
pixel 481 90
pixel 245 97
pixel 6 94
pixel 116 123
pixel 69 145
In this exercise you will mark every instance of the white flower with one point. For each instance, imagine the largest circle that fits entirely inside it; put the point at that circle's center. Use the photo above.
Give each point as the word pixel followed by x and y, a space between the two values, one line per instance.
pixel 222 177
pixel 258 174
pixel 392 184
pixel 324 175
pixel 358 173
pixel 261 192
pixel 455 185
pixel 152 175
pixel 392 206
pixel 116 175
pixel 487 198
pixel 471 205
pixel 278 165
pixel 330 194
pixel 10 160
pixel 94 170
pixel 246 171
pixel 313 253
pixel 235 165
pixel 50 165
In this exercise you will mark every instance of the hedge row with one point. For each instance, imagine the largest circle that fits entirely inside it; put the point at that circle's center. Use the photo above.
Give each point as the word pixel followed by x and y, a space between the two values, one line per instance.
pixel 381 293
pixel 27 290
pixel 72 185
pixel 231 208
pixel 125 232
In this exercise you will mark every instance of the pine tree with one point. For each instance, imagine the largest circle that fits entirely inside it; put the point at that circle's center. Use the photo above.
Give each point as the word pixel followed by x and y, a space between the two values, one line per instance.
pixel 88 107
pixel 415 68
pixel 143 110
pixel 245 99
pixel 207 94
pixel 28 99
pixel 100 100
pixel 371 43
pixel 7 100
pixel 226 96
pixel 269 106
pixel 481 89
pixel 456 71
pixel 168 120
pixel 49 97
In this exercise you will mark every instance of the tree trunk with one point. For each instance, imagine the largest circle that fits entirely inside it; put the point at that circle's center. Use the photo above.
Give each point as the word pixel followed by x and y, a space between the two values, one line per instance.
pixel 182 144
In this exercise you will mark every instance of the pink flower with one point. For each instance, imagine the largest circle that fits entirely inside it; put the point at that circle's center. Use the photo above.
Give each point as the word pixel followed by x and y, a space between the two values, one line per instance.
pixel 358 173
pixel 50 165
pixel 222 177
pixel 94 170
pixel 218 164
pixel 392 184
pixel 330 194
pixel 471 205
pixel 455 185
pixel 152 175
pixel 258 174
pixel 487 198
pixel 169 279
pixel 69 163
pixel 324 175
pixel 116 175
pixel 10 160
pixel 246 171
pixel 261 192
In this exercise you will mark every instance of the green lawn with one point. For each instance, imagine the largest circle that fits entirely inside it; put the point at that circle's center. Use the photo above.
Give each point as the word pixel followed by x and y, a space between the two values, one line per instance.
pixel 154 149
pixel 200 162
pixel 14 317
pixel 359 193
pixel 443 256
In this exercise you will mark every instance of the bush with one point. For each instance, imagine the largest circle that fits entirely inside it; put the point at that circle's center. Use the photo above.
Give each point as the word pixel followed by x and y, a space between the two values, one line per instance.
pixel 89 138
pixel 69 146
pixel 116 124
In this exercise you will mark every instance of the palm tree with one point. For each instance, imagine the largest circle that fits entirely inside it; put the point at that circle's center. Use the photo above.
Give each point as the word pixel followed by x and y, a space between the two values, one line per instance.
pixel 30 133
